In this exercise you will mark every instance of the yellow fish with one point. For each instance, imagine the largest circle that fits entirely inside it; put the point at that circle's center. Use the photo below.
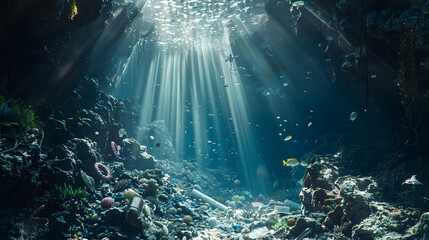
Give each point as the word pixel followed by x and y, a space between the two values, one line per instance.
pixel 304 163
pixel 288 138
pixel 284 163
pixel 73 10
pixel 291 162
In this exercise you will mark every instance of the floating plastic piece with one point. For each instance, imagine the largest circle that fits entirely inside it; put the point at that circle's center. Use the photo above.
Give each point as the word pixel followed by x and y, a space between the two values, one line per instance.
pixel 292 204
pixel 207 199
pixel 303 234
pixel 282 209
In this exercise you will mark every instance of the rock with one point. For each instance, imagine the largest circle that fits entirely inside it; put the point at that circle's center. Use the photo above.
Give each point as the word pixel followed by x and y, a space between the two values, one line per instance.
pixel 320 174
pixel 356 201
pixel 305 222
pixel 336 215
pixel 159 131
pixel 420 230
pixel 328 223
pixel 346 229
pixel 362 234
pixel 130 147
pixel 113 216
pixel 212 222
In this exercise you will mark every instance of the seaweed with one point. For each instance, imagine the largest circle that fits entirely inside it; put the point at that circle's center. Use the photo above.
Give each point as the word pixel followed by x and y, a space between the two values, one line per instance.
pixel 67 193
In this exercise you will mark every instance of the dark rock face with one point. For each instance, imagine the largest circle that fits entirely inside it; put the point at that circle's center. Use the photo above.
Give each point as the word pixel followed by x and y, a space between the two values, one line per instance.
pixel 136 156
pixel 39 43
pixel 160 134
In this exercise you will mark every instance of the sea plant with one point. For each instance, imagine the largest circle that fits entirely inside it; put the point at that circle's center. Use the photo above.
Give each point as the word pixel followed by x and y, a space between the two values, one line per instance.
pixel 282 223
pixel 66 193
pixel 13 112
pixel 18 122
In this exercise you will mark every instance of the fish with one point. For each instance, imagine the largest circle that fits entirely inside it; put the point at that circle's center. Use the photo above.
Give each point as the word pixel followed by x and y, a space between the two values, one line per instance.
pixel 353 116
pixel 298 3
pixel 304 163
pixel 73 10
pixel 158 144
pixel 412 180
pixel 291 162
pixel 288 138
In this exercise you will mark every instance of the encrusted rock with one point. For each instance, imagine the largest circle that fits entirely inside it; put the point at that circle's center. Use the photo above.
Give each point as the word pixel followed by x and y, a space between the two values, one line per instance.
pixel 305 222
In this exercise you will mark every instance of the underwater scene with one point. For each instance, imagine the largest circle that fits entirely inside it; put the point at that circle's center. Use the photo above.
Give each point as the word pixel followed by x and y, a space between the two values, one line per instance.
pixel 214 119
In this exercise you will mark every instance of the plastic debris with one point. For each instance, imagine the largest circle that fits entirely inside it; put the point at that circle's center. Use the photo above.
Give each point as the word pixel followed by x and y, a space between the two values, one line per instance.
pixel 258 232
pixel 303 234
pixel 292 204
pixel 282 209
pixel 197 194
pixel 257 204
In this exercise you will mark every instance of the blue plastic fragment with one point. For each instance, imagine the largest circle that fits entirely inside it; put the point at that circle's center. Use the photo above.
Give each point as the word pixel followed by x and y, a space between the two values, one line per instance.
pixel 92 210
pixel 237 228
pixel 215 213
pixel 177 216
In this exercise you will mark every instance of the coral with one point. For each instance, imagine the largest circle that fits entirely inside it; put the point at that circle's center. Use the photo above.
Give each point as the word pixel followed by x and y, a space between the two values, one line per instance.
pixel 129 194
pixel 103 171
pixel 107 202
pixel 68 193
pixel 121 185
pixel 151 186
pixel 187 219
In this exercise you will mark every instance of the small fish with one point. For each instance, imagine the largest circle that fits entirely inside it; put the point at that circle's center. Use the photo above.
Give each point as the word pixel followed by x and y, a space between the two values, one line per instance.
pixel 158 144
pixel 309 124
pixel 412 180
pixel 298 3
pixel 353 116
pixel 288 138
pixel 304 163
pixel 291 162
